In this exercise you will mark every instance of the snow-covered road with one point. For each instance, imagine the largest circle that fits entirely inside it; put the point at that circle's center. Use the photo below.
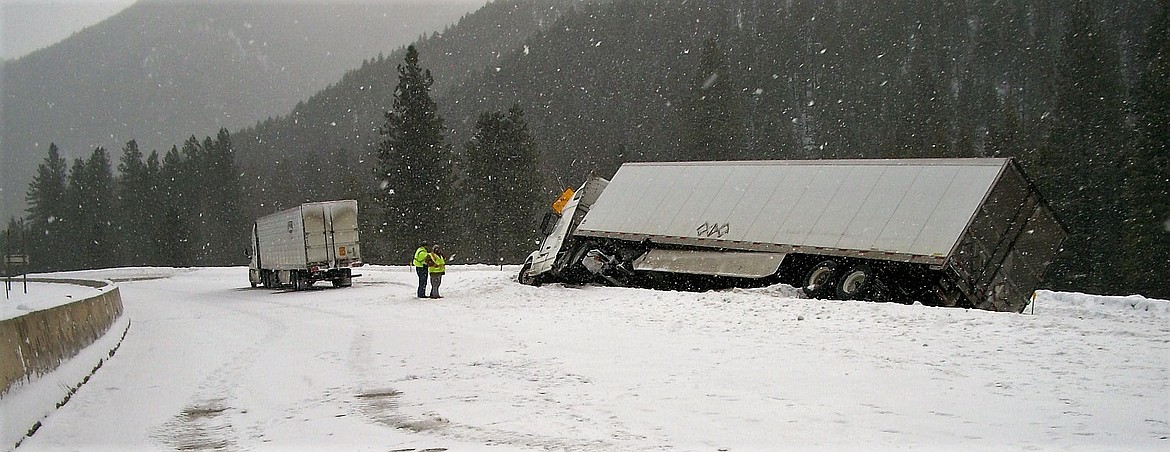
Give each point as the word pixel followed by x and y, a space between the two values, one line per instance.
pixel 210 364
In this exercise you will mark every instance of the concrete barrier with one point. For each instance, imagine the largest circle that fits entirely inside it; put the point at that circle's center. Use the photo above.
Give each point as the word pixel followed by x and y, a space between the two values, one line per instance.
pixel 36 343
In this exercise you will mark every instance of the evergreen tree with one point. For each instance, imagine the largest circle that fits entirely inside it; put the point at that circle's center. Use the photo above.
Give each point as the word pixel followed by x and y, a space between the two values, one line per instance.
pixel 98 219
pixel 502 188
pixel 414 165
pixel 199 168
pixel 712 123
pixel 47 205
pixel 155 210
pixel 1084 155
pixel 922 108
pixel 225 227
pixel 1004 137
pixel 172 239
pixel 73 236
pixel 1147 181
pixel 89 217
pixel 133 207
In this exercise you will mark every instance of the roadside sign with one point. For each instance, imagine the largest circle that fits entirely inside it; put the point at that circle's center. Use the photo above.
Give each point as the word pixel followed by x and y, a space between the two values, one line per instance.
pixel 16 259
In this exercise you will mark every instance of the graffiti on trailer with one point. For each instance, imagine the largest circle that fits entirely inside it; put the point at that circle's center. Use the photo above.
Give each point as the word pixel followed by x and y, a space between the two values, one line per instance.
pixel 709 229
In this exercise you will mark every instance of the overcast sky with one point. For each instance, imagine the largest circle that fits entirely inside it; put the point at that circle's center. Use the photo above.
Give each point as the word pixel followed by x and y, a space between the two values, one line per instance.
pixel 28 25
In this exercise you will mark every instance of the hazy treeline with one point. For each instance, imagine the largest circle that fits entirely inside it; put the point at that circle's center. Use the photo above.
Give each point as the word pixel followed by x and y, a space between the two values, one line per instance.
pixel 177 209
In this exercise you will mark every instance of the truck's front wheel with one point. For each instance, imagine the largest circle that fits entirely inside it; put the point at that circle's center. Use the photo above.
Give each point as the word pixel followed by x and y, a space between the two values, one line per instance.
pixel 525 278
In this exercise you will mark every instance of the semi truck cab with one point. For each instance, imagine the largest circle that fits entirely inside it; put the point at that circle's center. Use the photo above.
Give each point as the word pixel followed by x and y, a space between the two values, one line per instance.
pixel 557 227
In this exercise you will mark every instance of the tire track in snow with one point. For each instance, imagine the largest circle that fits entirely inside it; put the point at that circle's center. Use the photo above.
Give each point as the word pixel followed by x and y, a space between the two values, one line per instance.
pixel 206 423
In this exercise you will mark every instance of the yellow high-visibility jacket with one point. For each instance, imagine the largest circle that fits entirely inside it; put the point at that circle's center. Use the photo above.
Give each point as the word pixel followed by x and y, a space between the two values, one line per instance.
pixel 438 264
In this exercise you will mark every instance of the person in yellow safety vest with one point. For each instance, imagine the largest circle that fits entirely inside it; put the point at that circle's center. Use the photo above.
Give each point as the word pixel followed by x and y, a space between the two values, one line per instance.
pixel 420 267
pixel 437 264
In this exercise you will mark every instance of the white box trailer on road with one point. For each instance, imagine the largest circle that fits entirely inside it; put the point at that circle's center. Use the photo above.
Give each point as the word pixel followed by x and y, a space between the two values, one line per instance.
pixel 312 242
pixel 949 232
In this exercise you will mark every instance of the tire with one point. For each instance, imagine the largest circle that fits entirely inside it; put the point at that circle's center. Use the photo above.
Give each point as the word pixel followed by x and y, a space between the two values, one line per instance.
pixel 343 278
pixel 820 282
pixel 855 284
pixel 298 281
pixel 524 277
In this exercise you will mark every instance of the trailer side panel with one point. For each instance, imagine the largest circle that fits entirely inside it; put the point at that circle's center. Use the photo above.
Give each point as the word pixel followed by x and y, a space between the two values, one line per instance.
pixel 892 209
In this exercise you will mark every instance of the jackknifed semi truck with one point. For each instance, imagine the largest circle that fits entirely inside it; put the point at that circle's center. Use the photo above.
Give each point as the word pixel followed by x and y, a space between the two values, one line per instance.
pixel 316 241
pixel 971 232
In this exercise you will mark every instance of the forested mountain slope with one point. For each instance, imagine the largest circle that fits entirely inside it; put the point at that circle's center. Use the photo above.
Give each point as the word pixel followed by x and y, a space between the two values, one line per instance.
pixel 1071 88
pixel 162 70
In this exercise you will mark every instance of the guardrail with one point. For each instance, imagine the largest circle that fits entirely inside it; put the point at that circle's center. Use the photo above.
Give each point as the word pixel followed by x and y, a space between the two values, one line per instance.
pixel 36 343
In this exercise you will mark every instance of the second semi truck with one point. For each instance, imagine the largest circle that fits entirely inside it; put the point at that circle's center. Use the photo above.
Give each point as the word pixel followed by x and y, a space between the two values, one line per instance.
pixel 312 242
pixel 943 232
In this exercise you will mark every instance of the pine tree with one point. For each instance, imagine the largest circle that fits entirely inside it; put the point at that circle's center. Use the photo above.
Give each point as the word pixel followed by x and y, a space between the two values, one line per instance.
pixel 502 187
pixel 155 210
pixel 1147 182
pixel 1004 135
pixel 133 207
pixel 712 122
pixel 74 236
pixel 100 247
pixel 1084 155
pixel 89 216
pixel 225 227
pixel 172 239
pixel 414 164
pixel 46 209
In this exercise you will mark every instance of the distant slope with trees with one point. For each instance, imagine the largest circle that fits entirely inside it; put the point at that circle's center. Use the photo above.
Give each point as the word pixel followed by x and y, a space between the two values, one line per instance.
pixel 162 69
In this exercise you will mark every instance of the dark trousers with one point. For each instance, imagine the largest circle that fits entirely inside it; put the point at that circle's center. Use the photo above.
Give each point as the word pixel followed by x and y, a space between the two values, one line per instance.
pixel 422 281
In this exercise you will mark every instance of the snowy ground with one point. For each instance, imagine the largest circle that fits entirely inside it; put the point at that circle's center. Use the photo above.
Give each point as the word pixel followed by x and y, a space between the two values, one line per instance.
pixel 208 363
pixel 22 297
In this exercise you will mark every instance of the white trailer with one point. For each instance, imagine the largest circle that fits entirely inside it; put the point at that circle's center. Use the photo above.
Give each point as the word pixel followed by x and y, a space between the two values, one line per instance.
pixel 948 232
pixel 312 242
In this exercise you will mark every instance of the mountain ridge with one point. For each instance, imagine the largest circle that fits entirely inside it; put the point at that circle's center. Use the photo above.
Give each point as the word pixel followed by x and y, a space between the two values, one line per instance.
pixel 160 71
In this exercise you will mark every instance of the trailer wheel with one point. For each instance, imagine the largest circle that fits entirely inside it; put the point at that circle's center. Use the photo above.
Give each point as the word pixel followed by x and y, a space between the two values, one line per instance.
pixel 298 281
pixel 855 283
pixel 819 282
